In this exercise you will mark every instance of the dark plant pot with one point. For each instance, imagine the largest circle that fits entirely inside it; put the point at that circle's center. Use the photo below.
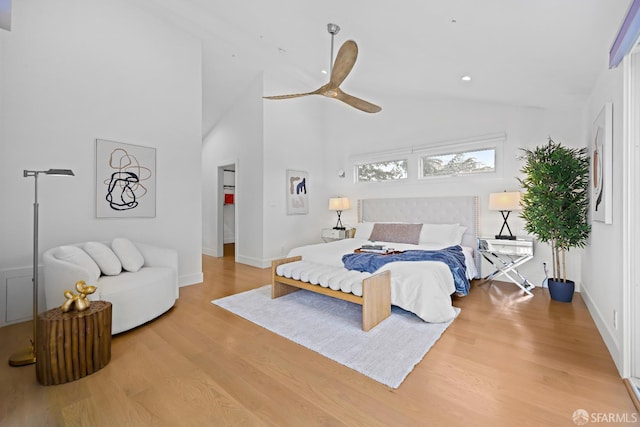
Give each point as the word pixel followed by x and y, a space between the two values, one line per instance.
pixel 561 291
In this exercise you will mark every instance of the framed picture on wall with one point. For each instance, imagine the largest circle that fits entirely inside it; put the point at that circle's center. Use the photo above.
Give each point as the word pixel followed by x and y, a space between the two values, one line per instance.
pixel 297 185
pixel 125 180
pixel 601 147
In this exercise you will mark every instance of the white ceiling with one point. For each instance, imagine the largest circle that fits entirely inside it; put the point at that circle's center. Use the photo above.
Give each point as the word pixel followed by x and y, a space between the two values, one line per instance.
pixel 539 53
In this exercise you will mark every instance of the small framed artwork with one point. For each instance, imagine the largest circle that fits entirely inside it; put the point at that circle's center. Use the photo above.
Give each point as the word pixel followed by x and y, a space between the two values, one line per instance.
pixel 601 166
pixel 297 185
pixel 125 180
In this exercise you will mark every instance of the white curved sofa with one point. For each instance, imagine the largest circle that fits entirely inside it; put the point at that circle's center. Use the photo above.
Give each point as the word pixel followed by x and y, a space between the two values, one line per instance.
pixel 136 296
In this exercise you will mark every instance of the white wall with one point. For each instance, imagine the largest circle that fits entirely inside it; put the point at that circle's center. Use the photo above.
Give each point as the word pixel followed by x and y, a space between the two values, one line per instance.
pixel 266 138
pixel 295 138
pixel 237 138
pixel 72 72
pixel 602 260
pixel 405 123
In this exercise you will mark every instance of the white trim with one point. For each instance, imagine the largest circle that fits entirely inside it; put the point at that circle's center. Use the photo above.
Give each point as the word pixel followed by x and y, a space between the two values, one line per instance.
pixel 607 334
pixel 413 156
pixel 209 252
pixel 422 155
pixel 453 144
pixel 631 209
pixel 191 279
pixel 381 156
pixel 254 262
pixel 461 145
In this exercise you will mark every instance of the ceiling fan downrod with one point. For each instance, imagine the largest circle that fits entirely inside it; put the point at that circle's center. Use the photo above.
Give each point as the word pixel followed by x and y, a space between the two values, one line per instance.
pixel 333 30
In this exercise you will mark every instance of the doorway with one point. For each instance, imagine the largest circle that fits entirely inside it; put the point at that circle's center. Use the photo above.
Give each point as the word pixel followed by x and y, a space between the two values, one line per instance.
pixel 227 210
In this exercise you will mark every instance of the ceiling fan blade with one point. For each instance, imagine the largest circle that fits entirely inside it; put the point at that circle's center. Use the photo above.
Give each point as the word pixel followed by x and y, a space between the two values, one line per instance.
pixel 343 64
pixel 358 103
pixel 293 95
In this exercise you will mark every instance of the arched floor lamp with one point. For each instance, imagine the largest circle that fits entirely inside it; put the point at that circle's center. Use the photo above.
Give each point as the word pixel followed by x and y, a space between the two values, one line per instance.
pixel 27 356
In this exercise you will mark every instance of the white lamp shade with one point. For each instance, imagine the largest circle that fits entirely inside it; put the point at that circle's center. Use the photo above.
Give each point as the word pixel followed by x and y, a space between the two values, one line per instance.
pixel 505 201
pixel 339 204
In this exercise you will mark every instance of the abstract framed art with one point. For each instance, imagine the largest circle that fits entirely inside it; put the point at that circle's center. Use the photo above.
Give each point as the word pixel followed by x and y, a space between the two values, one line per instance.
pixel 297 192
pixel 125 180
pixel 601 149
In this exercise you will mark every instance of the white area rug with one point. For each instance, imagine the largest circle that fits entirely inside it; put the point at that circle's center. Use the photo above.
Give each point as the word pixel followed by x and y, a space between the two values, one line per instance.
pixel 333 328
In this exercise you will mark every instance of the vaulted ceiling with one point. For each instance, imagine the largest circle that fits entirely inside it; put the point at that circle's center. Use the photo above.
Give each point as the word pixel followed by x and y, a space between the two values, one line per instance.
pixel 539 53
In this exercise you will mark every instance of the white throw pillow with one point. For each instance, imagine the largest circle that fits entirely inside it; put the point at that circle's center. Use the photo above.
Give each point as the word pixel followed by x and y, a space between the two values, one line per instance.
pixel 444 234
pixel 458 235
pixel 130 257
pixel 77 256
pixel 105 258
pixel 363 230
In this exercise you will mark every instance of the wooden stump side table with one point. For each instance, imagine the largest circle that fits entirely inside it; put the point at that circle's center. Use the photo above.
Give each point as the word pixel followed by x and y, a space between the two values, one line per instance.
pixel 72 345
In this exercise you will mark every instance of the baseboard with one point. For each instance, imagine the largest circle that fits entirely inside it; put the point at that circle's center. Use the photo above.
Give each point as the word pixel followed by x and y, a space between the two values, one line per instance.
pixel 605 332
pixel 253 261
pixel 633 393
pixel 210 252
pixel 191 279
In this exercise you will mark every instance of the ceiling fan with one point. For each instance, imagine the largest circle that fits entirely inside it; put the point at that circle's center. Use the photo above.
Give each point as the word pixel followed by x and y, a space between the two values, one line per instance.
pixel 345 60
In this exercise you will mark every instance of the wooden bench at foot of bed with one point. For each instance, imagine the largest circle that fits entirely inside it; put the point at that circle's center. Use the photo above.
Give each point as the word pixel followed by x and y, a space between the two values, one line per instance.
pixel 375 299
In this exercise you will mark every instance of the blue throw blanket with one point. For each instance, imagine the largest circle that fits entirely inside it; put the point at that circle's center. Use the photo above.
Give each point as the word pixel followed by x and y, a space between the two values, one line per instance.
pixel 452 256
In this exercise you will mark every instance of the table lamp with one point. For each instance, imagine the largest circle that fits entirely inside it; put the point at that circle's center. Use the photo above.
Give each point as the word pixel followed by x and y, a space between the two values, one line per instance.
pixel 505 202
pixel 339 204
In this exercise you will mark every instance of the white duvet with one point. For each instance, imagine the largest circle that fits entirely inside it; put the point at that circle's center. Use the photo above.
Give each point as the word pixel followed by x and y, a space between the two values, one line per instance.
pixel 422 287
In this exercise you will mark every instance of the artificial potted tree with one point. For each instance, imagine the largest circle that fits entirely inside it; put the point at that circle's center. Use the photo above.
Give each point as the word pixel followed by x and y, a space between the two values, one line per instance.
pixel 555 205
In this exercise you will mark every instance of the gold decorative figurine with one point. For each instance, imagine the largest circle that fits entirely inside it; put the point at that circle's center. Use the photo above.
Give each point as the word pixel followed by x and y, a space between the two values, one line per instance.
pixel 80 300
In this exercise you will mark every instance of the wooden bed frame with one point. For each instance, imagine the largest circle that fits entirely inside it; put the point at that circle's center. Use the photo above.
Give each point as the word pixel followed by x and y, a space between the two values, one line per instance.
pixel 375 299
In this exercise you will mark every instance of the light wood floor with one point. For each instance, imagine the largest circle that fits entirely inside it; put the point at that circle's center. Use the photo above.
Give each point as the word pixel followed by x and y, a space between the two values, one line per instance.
pixel 508 360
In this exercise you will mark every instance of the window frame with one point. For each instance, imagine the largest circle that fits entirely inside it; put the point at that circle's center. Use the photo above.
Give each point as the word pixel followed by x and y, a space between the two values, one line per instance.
pixel 443 152
pixel 487 142
pixel 357 165
pixel 413 157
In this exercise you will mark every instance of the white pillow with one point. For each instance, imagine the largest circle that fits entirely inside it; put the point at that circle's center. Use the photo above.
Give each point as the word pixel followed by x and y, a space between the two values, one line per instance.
pixel 458 235
pixel 105 258
pixel 363 230
pixel 77 256
pixel 444 234
pixel 130 257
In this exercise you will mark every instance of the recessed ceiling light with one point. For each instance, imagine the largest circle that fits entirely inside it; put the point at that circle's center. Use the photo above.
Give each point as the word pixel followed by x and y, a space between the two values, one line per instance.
pixel 466 78
pixel 324 71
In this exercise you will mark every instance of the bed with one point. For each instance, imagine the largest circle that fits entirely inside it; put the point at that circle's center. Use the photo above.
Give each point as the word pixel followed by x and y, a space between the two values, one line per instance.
pixel 422 287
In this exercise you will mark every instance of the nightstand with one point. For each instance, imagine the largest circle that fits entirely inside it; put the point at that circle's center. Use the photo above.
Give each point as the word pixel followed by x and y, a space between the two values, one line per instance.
pixel 506 256
pixel 331 234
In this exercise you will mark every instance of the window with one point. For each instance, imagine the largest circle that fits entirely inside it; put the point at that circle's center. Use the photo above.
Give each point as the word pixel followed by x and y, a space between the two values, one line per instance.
pixel 478 157
pixel 460 163
pixel 389 170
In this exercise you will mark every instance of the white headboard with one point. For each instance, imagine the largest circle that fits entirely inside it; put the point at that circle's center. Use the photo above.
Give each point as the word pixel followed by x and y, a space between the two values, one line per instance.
pixel 427 210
